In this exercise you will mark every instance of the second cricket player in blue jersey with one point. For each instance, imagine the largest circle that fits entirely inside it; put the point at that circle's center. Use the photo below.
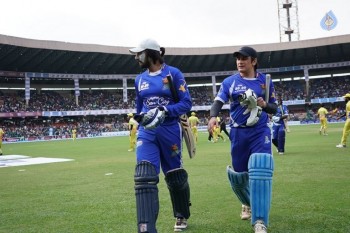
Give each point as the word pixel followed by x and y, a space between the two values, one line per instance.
pixel 251 97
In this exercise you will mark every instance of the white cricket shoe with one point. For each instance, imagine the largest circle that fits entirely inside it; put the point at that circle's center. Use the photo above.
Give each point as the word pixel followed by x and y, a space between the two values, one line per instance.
pixel 180 224
pixel 340 146
pixel 259 227
pixel 246 212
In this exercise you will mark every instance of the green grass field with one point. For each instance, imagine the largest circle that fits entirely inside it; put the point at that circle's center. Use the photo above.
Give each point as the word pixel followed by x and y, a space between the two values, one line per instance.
pixel 95 193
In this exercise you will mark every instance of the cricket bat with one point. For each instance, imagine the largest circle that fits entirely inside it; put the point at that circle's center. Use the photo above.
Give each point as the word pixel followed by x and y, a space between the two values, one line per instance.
pixel 185 124
pixel 267 87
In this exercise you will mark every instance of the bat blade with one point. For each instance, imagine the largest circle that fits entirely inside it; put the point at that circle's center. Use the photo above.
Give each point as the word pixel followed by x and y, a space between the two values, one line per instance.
pixel 188 135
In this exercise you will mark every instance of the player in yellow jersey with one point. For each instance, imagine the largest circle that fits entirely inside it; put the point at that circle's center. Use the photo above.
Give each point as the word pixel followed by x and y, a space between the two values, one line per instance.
pixel 194 121
pixel 132 126
pixel 217 131
pixel 74 134
pixel 2 133
pixel 346 129
pixel 322 114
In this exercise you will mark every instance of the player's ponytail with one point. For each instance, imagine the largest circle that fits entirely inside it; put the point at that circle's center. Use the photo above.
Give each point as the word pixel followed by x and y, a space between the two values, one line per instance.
pixel 156 55
pixel 162 51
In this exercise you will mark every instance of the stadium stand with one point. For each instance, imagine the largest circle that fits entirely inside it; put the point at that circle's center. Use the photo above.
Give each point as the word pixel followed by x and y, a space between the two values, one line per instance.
pixel 48 87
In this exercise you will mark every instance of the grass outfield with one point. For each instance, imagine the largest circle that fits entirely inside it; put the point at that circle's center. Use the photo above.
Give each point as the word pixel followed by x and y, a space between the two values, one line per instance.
pixel 95 193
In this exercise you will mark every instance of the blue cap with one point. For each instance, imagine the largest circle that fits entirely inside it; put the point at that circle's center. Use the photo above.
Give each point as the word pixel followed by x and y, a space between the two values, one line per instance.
pixel 247 52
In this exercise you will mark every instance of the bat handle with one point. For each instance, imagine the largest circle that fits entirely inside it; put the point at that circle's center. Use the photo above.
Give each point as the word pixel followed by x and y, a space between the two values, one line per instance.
pixel 267 87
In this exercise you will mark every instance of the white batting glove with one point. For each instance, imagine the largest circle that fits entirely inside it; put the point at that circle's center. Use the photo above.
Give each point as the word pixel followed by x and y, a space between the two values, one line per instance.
pixel 248 99
pixel 153 118
pixel 254 117
pixel 276 119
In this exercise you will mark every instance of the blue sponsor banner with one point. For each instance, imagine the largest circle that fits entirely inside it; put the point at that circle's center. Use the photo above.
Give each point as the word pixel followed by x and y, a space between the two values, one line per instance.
pixel 327 100
pixel 329 21
pixel 293 102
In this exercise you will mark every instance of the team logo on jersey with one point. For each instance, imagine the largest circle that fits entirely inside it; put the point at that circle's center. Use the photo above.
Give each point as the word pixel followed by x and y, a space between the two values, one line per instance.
pixel 139 143
pixel 144 86
pixel 267 140
pixel 175 150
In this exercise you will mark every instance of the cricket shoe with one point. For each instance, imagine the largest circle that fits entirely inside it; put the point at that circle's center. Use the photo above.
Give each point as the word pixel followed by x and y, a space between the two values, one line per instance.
pixel 180 224
pixel 246 212
pixel 259 227
pixel 340 146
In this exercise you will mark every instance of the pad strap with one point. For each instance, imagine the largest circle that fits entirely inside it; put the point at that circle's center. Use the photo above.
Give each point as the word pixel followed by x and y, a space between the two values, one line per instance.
pixel 146 192
pixel 177 181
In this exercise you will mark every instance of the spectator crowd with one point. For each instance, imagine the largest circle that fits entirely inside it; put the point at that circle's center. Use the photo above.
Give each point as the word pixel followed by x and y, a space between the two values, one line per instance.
pixel 60 127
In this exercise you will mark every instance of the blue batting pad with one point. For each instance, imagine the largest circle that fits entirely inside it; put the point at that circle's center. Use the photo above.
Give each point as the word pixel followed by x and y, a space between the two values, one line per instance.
pixel 240 185
pixel 260 167
pixel 146 192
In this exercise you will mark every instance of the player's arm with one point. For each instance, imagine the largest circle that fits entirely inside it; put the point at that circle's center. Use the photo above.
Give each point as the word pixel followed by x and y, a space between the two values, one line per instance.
pixel 341 116
pixel 184 103
pixel 214 112
pixel 270 106
pixel 138 100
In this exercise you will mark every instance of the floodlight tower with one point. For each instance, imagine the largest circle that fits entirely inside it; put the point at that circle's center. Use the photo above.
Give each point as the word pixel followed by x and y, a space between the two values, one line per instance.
pixel 288 20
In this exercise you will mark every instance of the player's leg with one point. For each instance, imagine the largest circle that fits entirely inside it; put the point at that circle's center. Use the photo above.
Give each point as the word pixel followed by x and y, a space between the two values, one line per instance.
pixel 281 139
pixel 195 133
pixel 260 168
pixel 146 180
pixel 275 129
pixel 132 140
pixel 146 192
pixel 1 148
pixel 176 176
pixel 215 137
pixel 221 136
pixel 225 130
pixel 325 127
pixel 346 132
pixel 210 137
pixel 238 175
pixel 240 185
pixel 286 125
pixel 179 189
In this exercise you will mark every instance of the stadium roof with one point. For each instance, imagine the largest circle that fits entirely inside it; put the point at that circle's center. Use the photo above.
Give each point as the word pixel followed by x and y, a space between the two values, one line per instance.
pixel 28 55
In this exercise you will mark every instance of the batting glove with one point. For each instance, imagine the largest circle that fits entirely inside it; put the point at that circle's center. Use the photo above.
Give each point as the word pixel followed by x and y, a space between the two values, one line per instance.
pixel 153 118
pixel 248 99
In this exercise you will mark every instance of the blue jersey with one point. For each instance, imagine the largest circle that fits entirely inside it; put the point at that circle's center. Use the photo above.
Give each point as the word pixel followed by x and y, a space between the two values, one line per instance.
pixel 153 90
pixel 162 146
pixel 233 86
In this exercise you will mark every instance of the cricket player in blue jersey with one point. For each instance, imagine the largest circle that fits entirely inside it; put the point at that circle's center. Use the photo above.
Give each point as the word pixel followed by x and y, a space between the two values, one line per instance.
pixel 278 127
pixel 161 97
pixel 251 171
